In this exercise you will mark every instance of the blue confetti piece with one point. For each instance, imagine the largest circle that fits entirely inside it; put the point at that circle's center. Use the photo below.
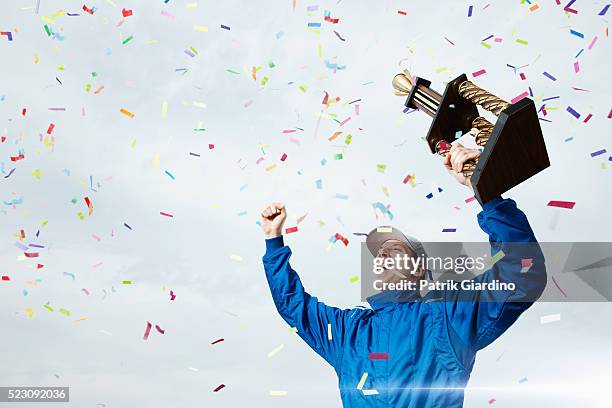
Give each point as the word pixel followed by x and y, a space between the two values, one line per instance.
pixel 573 112
pixel 576 33
pixel 597 153
pixel 319 184
pixel 323 162
pixel 449 230
pixel 429 196
pixel 314 24
pixel 127 226
pixel 604 10
pixel 342 196
pixel 225 27
pixel 279 35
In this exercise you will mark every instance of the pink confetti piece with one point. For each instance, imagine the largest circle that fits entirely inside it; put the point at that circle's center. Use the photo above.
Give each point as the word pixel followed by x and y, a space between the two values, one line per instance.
pixel 492 401
pixel 147 331
pixel 220 387
pixel 166 214
pixel 166 14
pixel 345 121
pixel 592 42
pixel 247 104
pixel 522 76
pixel 283 157
pixel 576 67
pixel 469 200
pixel 479 73
pixel 85 291
pixel 159 329
pixel 291 230
pixel 562 204
pixel 289 131
pixel 172 295
pixel 378 356
pixel 519 97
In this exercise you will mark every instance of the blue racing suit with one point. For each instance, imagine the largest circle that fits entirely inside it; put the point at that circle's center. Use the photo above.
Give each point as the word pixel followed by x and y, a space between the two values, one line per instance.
pixel 431 342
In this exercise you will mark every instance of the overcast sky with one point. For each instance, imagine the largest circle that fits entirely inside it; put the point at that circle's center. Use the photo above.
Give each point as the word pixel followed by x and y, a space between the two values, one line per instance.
pixel 209 252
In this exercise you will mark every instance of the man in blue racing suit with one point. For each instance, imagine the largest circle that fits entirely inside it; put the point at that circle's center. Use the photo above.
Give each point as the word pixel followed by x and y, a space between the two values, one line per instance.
pixel 424 347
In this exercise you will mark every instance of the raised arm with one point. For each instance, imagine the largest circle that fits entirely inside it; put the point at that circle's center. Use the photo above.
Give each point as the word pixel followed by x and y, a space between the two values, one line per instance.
pixel 477 318
pixel 320 326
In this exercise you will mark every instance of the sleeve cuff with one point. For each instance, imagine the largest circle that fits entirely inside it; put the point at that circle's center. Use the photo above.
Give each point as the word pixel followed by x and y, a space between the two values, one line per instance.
pixel 489 205
pixel 274 243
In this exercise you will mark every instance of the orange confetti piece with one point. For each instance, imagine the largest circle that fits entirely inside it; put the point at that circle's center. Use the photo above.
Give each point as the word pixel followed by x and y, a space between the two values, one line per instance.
pixel 127 113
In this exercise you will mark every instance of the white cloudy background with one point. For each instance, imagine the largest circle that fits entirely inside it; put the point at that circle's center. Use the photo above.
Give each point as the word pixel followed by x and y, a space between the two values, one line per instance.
pixel 209 254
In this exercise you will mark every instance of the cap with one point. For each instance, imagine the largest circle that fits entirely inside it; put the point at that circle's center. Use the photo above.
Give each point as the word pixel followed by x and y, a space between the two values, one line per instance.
pixel 379 235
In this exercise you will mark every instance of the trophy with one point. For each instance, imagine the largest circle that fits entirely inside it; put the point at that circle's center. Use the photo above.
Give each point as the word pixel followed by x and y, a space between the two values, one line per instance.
pixel 513 147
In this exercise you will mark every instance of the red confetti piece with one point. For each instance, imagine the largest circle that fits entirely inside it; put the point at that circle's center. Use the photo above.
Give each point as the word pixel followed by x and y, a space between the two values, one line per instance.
pixel 39 266
pixel 339 237
pixel 562 204
pixel 284 157
pixel 172 295
pixel 89 206
pixel 218 341
pixel 588 117
pixel 166 214
pixel 557 285
pixel 159 329
pixel 88 10
pixel 523 77
pixel 50 128
pixel 291 230
pixel 211 146
pixel 378 356
pixel 5 278
pixel 492 400
pixel 147 331
pixel 31 254
pixel 23 111
pixel 126 13
pixel 407 179
pixel 403 13
pixel 220 387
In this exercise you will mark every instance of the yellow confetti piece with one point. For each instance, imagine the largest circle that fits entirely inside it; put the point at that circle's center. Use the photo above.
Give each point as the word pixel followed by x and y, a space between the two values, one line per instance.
pixel 522 41
pixel 384 229
pixel 236 258
pixel 329 332
pixel 275 350
pixel 278 393
pixel 198 104
pixel 58 14
pixel 354 279
pixel 293 329
pixel 80 320
pixel 43 223
pixel 156 161
pixel 65 312
pixel 164 112
pixel 499 255
pixel 484 44
pixel 369 392
pixel 126 113
pixel 271 167
pixel 36 59
pixel 441 69
pixel 133 143
pixel 81 215
pixel 37 174
pixel 364 377
pixel 303 88
pixel 29 313
pixel 200 28
pixel 191 5
pixel 320 50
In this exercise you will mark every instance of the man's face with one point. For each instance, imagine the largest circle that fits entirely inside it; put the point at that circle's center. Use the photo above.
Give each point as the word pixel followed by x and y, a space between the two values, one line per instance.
pixel 389 254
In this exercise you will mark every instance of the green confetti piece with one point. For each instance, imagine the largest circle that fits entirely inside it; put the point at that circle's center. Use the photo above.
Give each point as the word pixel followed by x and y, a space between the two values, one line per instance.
pixel 81 215
pixel 354 279
pixel 348 139
pixel 65 312
pixel 338 156
pixel 87 87
pixel 127 282
pixel 303 88
pixel 127 40
pixel 442 69
pixel 169 174
pixel 521 41
pixel 94 74
pixel 271 64
pixel 49 308
pixel 47 30
pixel 264 80
pixel 381 168
pixel 484 44
pixel 233 72
pixel 74 200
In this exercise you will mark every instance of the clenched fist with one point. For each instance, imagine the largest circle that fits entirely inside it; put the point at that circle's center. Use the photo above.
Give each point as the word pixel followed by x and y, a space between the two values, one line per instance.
pixel 272 219
pixel 456 158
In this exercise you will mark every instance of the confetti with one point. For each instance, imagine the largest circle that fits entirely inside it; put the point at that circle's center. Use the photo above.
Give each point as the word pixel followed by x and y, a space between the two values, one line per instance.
pixel 219 388
pixel 378 356
pixel 562 204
